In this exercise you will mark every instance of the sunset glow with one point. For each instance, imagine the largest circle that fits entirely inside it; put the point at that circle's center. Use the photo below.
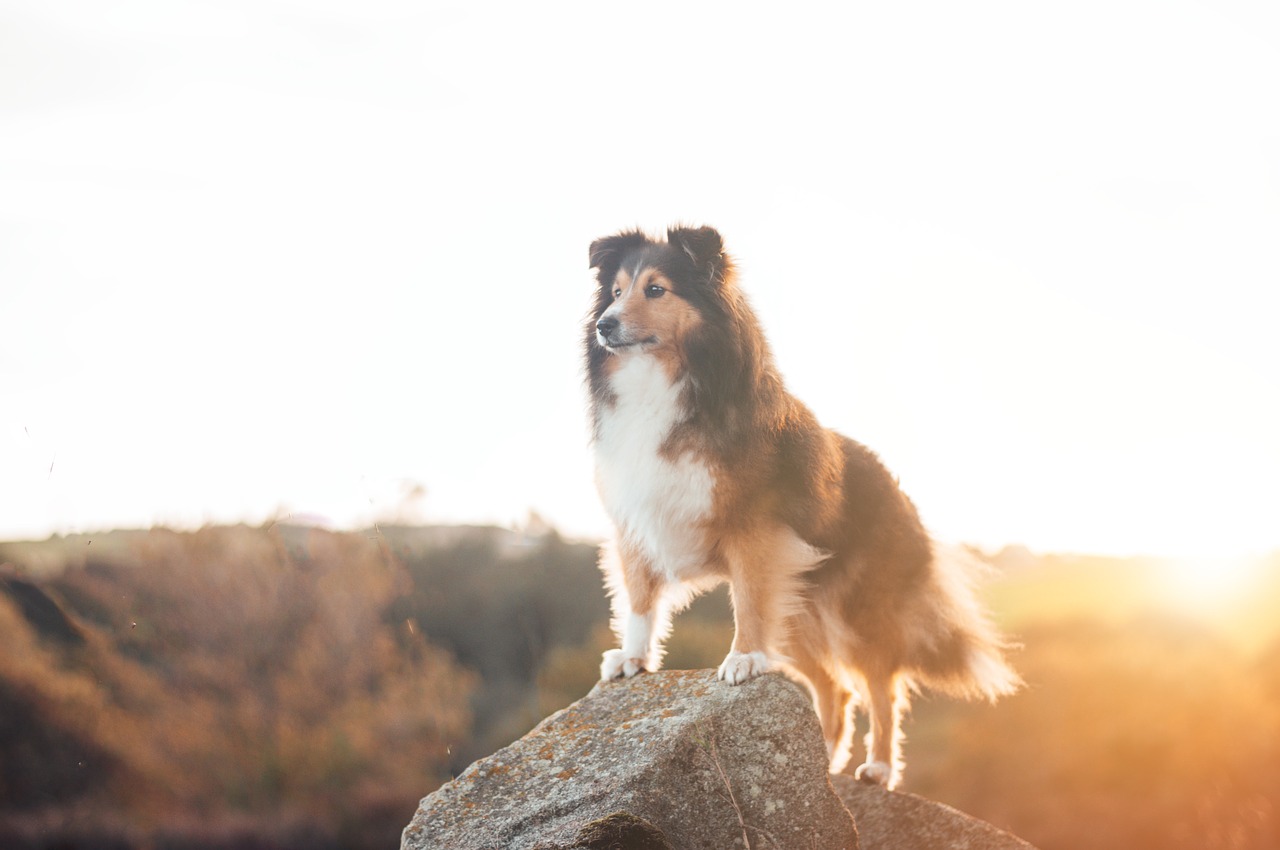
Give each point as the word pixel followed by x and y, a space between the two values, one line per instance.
pixel 1207 583
pixel 1236 597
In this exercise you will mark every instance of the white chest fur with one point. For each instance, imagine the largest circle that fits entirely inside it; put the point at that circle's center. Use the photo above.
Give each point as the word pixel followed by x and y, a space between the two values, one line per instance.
pixel 657 503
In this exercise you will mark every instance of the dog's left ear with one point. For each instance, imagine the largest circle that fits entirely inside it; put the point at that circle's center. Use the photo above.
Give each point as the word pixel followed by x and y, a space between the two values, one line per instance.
pixel 704 248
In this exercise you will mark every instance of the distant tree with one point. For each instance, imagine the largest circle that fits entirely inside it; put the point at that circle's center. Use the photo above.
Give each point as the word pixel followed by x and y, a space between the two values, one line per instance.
pixel 503 607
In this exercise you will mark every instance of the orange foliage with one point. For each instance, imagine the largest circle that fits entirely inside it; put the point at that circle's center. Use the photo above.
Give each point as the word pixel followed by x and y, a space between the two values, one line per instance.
pixel 234 673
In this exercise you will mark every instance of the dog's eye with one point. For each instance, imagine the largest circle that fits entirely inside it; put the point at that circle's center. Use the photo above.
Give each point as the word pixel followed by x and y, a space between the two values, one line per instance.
pixel 617 293
pixel 653 291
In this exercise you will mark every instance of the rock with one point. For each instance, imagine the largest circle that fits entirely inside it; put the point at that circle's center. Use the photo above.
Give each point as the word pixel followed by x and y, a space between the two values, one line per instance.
pixel 891 820
pixel 618 831
pixel 680 760
pixel 694 762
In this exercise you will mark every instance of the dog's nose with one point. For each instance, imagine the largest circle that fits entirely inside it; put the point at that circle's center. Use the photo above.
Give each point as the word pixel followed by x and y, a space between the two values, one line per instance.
pixel 606 325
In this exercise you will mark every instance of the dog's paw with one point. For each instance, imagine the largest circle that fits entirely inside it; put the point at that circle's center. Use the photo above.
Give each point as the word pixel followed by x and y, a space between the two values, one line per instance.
pixel 874 773
pixel 618 665
pixel 739 667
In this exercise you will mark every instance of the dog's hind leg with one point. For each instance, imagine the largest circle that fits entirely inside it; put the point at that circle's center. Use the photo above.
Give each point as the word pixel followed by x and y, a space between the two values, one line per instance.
pixel 837 725
pixel 886 702
pixel 834 704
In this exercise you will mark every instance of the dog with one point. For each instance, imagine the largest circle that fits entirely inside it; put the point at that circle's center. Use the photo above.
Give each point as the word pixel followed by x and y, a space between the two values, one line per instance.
pixel 712 472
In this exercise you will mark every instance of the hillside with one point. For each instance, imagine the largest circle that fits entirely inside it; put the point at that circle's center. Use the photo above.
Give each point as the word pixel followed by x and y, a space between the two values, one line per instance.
pixel 324 681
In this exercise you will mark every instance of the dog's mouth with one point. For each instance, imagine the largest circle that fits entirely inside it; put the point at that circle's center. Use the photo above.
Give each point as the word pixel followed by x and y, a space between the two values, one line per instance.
pixel 626 345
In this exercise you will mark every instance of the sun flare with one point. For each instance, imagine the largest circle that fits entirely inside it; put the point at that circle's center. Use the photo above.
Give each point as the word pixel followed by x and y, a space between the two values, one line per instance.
pixel 1208 586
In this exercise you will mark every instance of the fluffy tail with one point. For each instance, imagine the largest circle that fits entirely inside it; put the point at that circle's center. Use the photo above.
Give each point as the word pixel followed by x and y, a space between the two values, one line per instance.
pixel 966 657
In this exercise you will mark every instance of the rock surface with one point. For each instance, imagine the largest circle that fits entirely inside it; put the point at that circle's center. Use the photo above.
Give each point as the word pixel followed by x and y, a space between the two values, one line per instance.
pixel 891 820
pixel 705 764
pixel 680 760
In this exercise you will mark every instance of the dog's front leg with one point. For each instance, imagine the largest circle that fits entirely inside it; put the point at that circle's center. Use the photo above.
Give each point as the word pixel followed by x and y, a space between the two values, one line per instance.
pixel 748 657
pixel 636 595
pixel 636 654
pixel 766 572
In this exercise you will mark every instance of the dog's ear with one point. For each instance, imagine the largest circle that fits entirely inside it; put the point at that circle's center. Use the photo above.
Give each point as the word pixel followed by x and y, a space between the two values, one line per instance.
pixel 609 250
pixel 704 248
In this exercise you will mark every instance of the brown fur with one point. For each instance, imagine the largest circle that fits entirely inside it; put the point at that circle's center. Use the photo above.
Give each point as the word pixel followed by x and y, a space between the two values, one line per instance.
pixel 831 573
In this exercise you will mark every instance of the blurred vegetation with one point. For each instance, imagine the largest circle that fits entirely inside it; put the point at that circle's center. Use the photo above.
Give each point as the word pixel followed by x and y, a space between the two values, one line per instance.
pixel 287 687
pixel 220 686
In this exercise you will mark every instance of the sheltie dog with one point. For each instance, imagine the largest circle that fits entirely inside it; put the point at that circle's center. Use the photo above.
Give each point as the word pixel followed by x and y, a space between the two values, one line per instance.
pixel 712 472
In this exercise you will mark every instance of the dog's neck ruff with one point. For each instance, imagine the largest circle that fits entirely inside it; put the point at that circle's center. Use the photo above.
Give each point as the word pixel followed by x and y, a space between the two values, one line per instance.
pixel 658 503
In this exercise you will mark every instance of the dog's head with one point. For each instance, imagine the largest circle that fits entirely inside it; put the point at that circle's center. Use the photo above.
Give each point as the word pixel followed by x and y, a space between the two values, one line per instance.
pixel 654 294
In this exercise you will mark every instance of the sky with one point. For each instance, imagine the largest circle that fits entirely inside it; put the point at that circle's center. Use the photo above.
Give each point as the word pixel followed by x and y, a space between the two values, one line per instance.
pixel 328 260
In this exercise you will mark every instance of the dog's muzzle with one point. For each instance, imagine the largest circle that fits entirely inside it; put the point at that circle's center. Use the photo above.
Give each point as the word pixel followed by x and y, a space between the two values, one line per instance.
pixel 607 331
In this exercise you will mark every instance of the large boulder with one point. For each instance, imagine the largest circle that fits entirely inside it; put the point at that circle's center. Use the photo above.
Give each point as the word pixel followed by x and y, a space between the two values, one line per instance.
pixel 680 761
pixel 675 756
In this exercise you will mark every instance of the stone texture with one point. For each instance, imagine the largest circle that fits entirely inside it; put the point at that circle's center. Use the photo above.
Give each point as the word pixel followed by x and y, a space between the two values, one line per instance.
pixel 698 761
pixel 618 831
pixel 890 820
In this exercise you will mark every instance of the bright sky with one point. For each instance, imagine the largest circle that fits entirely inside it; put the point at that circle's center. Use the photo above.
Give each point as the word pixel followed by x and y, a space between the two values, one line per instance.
pixel 291 256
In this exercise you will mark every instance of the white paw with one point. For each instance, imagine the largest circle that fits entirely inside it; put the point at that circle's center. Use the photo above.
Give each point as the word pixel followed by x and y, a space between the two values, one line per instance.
pixel 618 665
pixel 876 772
pixel 739 667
